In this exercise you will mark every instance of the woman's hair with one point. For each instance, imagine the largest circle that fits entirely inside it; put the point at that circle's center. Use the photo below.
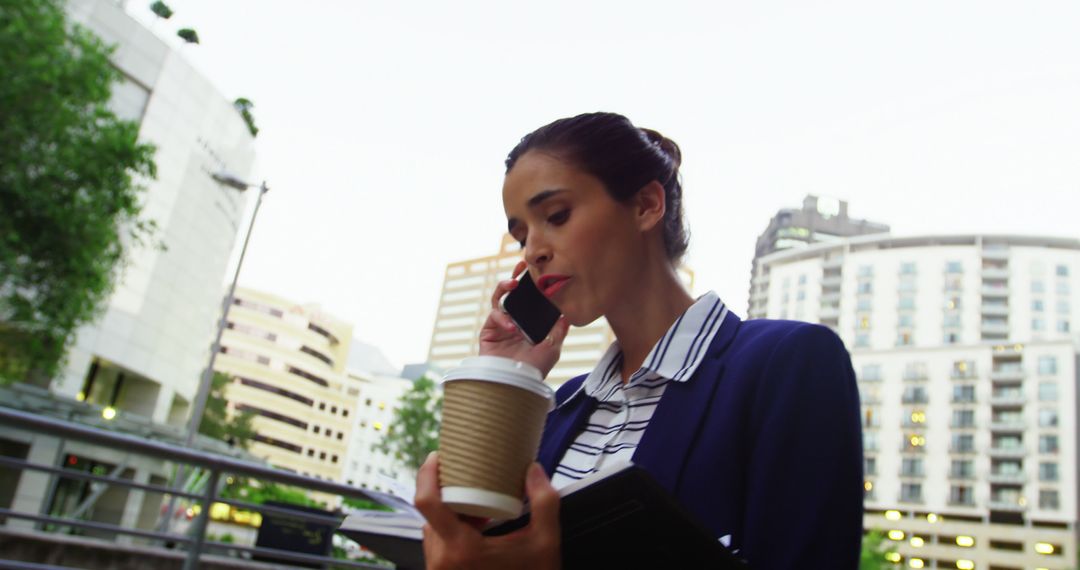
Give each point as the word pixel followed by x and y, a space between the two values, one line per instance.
pixel 624 157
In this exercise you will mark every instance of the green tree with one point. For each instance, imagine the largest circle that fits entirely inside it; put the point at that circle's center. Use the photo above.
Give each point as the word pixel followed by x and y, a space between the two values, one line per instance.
pixel 216 421
pixel 70 185
pixel 414 432
pixel 188 35
pixel 874 549
pixel 244 106
pixel 161 10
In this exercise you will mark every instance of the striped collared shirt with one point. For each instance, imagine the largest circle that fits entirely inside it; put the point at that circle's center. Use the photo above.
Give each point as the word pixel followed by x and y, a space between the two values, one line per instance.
pixel 623 411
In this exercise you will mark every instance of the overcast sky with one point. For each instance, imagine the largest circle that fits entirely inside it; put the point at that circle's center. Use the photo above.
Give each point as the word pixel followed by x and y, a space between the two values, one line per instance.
pixel 384 125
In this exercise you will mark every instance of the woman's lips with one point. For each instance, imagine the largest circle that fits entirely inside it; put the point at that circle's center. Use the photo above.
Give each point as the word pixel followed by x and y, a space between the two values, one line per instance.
pixel 551 284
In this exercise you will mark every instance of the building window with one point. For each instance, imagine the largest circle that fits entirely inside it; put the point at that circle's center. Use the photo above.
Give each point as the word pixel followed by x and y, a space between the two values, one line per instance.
pixel 1048 418
pixel 963 369
pixel 1063 326
pixel 954 267
pixel 334 459
pixel 863 305
pixel 333 409
pixel 1062 271
pixel 904 339
pixel 322 406
pixel 915 371
pixel 961 495
pixel 906 321
pixel 322 455
pixel 963 394
pixel 802 279
pixel 963 443
pixel 907 268
pixel 1037 305
pixel 344 412
pixel 866 271
pixel 952 304
pixel 915 395
pixel 1063 287
pixel 800 296
pixel 907 302
pixel 311 453
pixel 1048 391
pixel 962 469
pixel 871 373
pixel 1048 500
pixel 870 466
pixel 906 285
pixel 1038 324
pixel 963 419
pixel 911 492
pixel 1047 365
pixel 316 429
pixel 862 340
pixel 1062 306
pixel 1048 444
pixel 952 321
pixel 911 467
pixel 1048 472
pixel 952 338
pixel 1038 287
pixel 866 287
pixel 340 436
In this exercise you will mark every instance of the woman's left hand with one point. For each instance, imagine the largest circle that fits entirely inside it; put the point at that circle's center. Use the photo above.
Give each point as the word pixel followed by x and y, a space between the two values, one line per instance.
pixel 451 541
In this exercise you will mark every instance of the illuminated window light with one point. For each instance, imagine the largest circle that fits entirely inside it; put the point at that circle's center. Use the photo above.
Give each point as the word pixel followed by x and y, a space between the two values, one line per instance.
pixel 965 565
pixel 892 515
pixel 377 426
pixel 81 396
pixel 916 563
pixel 1018 347
pixel 108 413
pixel 932 518
pixel 917 542
pixel 892 556
pixel 869 486
pixel 896 534
pixel 965 541
pixel 1044 548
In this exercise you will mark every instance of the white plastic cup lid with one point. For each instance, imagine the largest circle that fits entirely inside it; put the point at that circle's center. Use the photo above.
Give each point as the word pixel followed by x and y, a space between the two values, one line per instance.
pixel 504 371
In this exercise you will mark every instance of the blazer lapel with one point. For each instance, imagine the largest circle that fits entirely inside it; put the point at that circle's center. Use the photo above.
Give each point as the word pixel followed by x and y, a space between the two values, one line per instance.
pixel 562 427
pixel 681 413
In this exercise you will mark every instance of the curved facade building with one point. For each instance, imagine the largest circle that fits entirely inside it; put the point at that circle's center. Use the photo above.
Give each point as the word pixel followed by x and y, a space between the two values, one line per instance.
pixel 966 351
pixel 145 354
pixel 287 363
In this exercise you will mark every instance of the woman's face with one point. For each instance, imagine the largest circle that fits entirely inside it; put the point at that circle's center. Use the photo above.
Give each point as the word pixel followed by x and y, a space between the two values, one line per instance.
pixel 579 242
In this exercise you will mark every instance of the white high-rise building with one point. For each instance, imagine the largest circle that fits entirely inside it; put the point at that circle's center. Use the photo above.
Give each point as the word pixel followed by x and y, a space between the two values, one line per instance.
pixel 967 358
pixel 365 466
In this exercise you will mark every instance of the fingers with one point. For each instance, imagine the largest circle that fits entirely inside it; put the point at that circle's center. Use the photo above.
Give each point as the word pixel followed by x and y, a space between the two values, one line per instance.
pixel 543 501
pixel 559 331
pixel 428 499
pixel 504 287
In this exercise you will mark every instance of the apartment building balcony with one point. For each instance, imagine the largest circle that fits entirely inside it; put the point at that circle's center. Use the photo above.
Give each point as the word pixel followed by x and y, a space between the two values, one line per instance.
pixel 915 376
pixel 995 291
pixel 995 328
pixel 1008 425
pixel 1009 478
pixel 964 399
pixel 1008 452
pixel 997 254
pixel 962 425
pixel 1007 399
pixel 999 273
pixel 961 450
pixel 1005 505
pixel 831 282
pixel 915 399
pixel 830 298
pixel 995 310
pixel 1007 374
pixel 829 313
pixel 915 473
pixel 833 263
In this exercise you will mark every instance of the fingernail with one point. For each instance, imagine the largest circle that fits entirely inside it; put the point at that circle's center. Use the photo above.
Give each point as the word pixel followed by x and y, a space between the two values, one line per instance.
pixel 430 456
pixel 535 475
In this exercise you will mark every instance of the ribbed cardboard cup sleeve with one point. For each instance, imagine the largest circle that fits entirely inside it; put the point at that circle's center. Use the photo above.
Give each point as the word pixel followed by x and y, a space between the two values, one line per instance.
pixel 490 435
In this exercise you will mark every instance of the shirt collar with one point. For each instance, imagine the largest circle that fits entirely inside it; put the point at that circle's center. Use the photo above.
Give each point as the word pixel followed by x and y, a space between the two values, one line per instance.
pixel 676 356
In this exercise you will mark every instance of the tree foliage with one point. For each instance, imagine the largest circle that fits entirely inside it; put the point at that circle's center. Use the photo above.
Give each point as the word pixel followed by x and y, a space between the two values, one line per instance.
pixel 244 106
pixel 188 35
pixel 70 173
pixel 216 422
pixel 414 431
pixel 874 549
pixel 161 9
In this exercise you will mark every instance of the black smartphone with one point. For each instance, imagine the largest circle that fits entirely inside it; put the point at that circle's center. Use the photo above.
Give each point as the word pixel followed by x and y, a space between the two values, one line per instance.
pixel 530 310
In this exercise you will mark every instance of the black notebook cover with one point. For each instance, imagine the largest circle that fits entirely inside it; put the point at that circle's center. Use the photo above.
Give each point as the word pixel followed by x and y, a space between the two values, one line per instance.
pixel 627 520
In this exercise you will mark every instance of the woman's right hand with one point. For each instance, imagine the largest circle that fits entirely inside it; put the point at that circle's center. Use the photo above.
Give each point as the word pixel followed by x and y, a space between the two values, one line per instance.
pixel 501 337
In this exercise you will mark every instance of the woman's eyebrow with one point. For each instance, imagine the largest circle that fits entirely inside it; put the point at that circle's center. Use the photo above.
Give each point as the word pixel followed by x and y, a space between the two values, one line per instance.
pixel 534 202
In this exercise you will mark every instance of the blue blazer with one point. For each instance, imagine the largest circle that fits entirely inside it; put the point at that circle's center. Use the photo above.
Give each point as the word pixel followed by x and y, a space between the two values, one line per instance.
pixel 763 444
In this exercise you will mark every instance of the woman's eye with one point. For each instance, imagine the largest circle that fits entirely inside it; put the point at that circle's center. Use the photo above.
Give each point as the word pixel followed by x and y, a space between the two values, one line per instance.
pixel 559 218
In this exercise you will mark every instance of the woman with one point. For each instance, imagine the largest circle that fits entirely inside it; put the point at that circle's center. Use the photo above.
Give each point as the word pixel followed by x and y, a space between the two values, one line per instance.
pixel 753 426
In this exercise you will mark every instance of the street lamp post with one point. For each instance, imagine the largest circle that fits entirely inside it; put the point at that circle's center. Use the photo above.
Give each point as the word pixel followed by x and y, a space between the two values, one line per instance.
pixel 202 393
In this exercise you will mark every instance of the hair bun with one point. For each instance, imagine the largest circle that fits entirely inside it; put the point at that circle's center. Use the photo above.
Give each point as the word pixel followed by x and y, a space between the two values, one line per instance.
pixel 666 145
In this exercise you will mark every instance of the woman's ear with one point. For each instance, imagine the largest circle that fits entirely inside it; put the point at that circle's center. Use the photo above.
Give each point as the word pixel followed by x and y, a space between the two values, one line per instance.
pixel 650 205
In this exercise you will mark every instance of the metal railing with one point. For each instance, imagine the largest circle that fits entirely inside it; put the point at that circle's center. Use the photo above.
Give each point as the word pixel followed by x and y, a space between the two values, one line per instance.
pixel 195 540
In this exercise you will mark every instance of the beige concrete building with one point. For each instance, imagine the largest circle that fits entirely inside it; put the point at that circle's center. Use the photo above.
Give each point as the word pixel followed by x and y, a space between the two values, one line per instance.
pixel 466 301
pixel 967 358
pixel 288 366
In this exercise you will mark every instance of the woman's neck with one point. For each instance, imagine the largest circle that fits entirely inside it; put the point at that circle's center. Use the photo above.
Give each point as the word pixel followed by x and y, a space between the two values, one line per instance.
pixel 646 311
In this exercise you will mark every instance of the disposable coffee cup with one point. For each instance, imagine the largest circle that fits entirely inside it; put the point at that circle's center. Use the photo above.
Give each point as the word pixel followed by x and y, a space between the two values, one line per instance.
pixel 492 419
